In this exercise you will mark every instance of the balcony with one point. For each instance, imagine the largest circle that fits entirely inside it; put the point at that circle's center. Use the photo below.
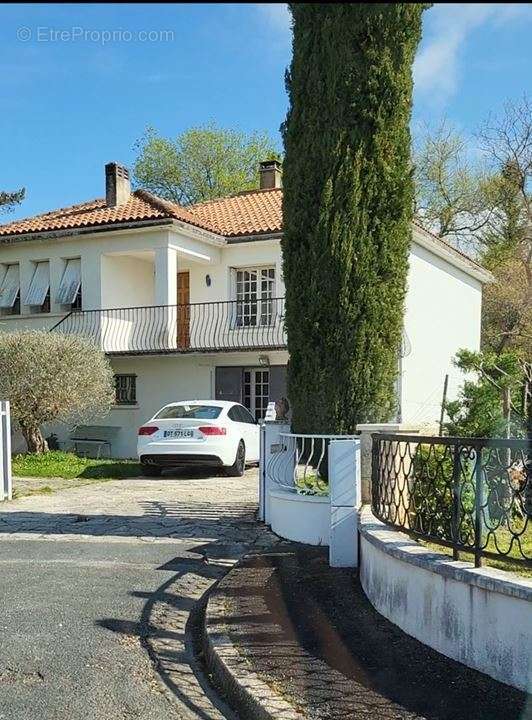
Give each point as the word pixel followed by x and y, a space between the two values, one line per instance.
pixel 198 327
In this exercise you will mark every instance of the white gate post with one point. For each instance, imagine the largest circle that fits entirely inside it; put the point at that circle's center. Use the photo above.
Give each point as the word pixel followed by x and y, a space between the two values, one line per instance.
pixel 5 451
pixel 346 497
pixel 270 444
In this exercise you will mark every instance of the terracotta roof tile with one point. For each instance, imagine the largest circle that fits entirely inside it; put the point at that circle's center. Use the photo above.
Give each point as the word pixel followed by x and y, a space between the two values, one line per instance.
pixel 141 206
pixel 256 212
pixel 249 213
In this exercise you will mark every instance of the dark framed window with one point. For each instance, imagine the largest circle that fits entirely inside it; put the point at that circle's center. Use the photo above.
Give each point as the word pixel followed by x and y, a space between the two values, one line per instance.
pixel 15 310
pixel 78 300
pixel 125 389
pixel 45 307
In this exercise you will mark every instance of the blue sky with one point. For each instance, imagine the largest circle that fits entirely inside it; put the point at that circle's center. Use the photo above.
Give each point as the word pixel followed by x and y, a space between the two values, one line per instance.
pixel 79 83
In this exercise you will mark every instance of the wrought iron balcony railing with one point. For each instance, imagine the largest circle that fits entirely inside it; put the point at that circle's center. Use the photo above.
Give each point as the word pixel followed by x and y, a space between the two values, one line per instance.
pixel 197 327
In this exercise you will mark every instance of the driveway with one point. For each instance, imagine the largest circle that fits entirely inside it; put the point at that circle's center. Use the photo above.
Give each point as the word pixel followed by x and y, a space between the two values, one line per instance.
pixel 97 585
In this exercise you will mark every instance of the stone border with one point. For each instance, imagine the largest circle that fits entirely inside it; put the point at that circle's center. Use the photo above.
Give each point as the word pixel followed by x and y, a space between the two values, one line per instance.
pixel 402 547
pixel 245 691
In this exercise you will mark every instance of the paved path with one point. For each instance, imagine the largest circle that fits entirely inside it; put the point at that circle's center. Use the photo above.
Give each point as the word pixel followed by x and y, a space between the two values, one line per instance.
pixel 82 634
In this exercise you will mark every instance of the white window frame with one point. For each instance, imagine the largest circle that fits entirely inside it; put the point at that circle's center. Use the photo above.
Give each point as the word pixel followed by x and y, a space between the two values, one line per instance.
pixel 257 309
pixel 10 286
pixel 70 282
pixel 40 284
pixel 256 404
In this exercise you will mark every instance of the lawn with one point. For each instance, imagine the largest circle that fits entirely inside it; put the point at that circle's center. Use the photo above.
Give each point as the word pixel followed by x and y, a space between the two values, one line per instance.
pixel 64 470
pixel 522 567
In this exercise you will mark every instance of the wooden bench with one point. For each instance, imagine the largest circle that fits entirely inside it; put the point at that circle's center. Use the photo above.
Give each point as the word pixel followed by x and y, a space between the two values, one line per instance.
pixel 98 435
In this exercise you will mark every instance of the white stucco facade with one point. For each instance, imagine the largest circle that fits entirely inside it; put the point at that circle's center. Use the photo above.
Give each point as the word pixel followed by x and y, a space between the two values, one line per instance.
pixel 442 315
pixel 138 267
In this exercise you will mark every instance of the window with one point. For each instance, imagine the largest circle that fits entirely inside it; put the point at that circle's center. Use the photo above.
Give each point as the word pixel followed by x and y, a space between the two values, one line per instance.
pixel 70 287
pixel 125 389
pixel 256 391
pixel 77 303
pixel 10 290
pixel 195 412
pixel 38 296
pixel 254 292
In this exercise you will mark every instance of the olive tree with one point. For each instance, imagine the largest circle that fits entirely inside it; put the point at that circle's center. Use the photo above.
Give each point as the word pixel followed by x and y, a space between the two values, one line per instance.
pixel 48 377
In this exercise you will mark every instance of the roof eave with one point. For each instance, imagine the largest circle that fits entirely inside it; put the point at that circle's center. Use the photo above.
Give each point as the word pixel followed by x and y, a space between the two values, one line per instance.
pixel 436 246
pixel 85 230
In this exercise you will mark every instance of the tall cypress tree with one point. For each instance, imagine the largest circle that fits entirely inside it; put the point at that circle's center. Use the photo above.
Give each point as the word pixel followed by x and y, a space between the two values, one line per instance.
pixel 348 205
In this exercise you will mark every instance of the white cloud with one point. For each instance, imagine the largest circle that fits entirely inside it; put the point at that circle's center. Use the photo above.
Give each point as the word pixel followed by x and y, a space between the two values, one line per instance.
pixel 437 65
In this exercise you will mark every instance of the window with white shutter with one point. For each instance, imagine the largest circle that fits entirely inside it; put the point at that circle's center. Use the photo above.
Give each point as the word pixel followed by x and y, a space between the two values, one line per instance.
pixel 38 294
pixel 10 287
pixel 70 282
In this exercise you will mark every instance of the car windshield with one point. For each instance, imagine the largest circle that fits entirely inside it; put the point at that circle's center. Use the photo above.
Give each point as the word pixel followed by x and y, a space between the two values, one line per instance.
pixel 197 412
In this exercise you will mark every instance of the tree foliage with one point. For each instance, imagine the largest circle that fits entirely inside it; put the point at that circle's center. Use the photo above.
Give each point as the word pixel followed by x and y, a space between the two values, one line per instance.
pixel 348 200
pixel 491 402
pixel 8 200
pixel 486 208
pixel 49 377
pixel 201 163
pixel 452 194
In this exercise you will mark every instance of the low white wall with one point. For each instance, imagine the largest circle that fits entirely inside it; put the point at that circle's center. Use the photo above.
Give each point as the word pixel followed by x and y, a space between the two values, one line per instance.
pixel 301 518
pixel 481 617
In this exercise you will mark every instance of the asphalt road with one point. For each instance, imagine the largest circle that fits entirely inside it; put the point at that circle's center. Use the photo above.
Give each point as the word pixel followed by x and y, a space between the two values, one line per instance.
pixel 75 589
pixel 70 633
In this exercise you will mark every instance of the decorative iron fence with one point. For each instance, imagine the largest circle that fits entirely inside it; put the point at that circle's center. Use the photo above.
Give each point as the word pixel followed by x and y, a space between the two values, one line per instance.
pixel 470 494
pixel 196 327
pixel 300 463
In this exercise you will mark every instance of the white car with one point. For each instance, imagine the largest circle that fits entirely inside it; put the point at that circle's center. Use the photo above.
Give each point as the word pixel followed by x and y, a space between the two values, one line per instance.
pixel 199 432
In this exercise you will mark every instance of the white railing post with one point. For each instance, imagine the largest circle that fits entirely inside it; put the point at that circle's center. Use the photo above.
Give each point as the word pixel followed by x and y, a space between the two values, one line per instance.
pixel 346 499
pixel 271 443
pixel 5 451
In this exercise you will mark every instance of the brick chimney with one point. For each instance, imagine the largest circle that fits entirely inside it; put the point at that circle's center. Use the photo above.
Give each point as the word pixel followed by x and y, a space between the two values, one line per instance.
pixel 270 174
pixel 117 184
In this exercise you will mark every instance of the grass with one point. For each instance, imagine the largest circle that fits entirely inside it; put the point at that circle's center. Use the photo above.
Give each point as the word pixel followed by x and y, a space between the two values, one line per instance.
pixel 519 568
pixel 67 465
pixel 65 470
pixel 311 483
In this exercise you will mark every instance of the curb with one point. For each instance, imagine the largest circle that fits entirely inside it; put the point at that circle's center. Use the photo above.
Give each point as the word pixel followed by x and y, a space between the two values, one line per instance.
pixel 244 690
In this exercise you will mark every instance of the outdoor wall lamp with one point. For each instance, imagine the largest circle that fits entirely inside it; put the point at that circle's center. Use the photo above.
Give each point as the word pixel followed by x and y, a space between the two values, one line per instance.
pixel 208 280
pixel 264 360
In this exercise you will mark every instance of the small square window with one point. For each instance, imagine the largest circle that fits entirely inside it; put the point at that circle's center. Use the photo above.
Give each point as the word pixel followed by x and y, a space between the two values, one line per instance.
pixel 126 389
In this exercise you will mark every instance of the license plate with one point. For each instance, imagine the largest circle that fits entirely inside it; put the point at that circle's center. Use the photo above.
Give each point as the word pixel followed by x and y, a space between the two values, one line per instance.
pixel 178 433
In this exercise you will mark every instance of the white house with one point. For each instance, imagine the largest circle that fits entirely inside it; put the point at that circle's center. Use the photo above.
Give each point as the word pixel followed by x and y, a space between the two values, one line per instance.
pixel 188 302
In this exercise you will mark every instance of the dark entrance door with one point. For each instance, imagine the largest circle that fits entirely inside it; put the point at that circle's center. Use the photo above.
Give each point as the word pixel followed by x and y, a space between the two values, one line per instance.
pixel 253 387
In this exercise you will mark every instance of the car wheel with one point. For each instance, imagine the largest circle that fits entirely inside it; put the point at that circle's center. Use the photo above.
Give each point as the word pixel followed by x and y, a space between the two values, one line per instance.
pixel 238 467
pixel 152 470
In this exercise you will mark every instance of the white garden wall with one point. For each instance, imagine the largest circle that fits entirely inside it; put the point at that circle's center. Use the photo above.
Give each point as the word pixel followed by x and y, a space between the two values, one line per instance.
pixel 481 617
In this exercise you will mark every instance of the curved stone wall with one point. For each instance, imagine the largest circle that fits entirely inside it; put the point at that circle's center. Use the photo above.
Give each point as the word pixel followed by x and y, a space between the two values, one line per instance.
pixel 481 617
